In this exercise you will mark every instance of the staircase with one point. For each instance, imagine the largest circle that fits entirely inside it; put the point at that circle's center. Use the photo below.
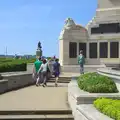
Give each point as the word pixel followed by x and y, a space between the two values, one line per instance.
pixel 61 79
pixel 27 113
pixel 37 115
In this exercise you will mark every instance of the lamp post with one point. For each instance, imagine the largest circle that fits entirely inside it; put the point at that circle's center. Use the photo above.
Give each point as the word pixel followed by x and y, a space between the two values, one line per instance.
pixel 6 52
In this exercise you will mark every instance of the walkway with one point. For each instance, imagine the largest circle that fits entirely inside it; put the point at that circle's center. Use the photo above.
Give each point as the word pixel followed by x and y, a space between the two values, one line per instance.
pixel 36 98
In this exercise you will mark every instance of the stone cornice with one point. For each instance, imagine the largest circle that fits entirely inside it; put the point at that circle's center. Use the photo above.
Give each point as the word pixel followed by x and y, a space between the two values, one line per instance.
pixel 102 38
pixel 108 9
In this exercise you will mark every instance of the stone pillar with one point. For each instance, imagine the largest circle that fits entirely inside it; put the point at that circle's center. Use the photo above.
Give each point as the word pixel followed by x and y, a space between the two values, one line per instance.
pixel 78 49
pixel 108 49
pixel 66 52
pixel 61 53
pixel 38 53
pixel 39 50
pixel 98 49
pixel 87 50
pixel 119 49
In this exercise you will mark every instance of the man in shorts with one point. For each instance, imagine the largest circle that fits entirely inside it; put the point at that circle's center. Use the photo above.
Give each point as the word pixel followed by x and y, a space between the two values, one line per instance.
pixel 56 69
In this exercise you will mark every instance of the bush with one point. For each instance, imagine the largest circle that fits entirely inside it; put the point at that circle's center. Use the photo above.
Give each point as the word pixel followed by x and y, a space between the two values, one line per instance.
pixel 11 60
pixel 10 67
pixel 95 83
pixel 31 60
pixel 108 107
pixel 27 60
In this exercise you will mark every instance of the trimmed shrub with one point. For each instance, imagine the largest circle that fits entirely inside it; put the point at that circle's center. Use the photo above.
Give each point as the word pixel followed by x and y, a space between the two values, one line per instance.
pixel 108 107
pixel 27 60
pixel 95 83
pixel 11 67
pixel 9 60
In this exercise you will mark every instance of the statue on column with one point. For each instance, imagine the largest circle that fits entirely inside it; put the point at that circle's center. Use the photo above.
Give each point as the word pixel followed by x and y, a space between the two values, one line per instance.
pixel 39 50
pixel 39 45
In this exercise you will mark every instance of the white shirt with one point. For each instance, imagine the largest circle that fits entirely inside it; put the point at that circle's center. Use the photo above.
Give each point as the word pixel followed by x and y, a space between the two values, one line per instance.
pixel 43 67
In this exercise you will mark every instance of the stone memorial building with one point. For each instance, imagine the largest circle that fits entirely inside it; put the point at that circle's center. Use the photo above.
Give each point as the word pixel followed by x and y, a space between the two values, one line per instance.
pixel 99 40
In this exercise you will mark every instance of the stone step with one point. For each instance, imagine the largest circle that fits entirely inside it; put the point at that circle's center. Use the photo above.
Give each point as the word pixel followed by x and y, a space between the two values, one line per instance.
pixel 63 78
pixel 60 80
pixel 36 117
pixel 36 112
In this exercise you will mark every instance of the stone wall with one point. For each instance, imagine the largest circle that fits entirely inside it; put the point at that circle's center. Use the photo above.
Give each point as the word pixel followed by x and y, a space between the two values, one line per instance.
pixel 114 74
pixel 81 103
pixel 12 81
pixel 108 4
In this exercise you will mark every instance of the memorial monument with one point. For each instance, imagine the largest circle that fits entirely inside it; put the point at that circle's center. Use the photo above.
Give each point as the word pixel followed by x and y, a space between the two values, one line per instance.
pixel 39 50
pixel 100 39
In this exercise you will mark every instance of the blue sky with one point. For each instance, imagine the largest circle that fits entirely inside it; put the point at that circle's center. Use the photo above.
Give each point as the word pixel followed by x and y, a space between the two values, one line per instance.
pixel 25 22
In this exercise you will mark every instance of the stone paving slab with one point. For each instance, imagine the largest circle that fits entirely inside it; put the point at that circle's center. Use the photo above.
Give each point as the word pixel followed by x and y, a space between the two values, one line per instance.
pixel 68 74
pixel 21 116
pixel 34 116
pixel 36 98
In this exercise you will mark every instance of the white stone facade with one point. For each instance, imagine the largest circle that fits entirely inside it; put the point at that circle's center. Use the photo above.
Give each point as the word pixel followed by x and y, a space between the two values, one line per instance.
pixel 108 11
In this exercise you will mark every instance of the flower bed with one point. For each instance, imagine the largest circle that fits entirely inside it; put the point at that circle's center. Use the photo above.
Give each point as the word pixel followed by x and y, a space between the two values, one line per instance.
pixel 95 83
pixel 108 107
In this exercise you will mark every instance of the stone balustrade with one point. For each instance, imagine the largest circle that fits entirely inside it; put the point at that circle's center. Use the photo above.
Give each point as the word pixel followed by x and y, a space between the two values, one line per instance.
pixel 114 74
pixel 12 81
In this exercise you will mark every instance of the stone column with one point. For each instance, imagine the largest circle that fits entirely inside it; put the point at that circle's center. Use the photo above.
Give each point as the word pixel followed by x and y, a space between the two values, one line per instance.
pixel 78 48
pixel 87 50
pixel 119 49
pixel 66 58
pixel 108 49
pixel 98 49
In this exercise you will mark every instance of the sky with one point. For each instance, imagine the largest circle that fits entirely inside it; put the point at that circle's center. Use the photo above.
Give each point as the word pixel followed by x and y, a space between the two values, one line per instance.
pixel 23 23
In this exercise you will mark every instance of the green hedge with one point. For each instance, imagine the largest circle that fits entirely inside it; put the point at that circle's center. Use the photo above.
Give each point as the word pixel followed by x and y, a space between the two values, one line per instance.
pixel 95 83
pixel 108 107
pixel 11 67
pixel 9 60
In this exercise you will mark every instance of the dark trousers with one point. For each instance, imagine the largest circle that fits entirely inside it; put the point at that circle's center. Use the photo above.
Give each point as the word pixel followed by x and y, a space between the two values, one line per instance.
pixel 48 75
pixel 81 69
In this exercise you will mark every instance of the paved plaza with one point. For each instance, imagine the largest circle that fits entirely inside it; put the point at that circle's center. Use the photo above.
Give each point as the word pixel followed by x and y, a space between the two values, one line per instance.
pixel 33 97
pixel 26 102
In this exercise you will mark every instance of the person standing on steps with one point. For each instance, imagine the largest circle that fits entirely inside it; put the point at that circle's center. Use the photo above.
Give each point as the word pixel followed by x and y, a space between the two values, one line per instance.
pixel 43 71
pixel 37 65
pixel 81 62
pixel 56 71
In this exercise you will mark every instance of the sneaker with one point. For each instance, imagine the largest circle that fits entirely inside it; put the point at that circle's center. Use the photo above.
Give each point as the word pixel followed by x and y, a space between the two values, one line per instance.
pixel 37 85
pixel 43 85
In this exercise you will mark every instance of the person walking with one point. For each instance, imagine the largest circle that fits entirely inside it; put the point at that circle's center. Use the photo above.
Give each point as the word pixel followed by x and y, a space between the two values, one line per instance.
pixel 56 69
pixel 81 62
pixel 43 71
pixel 52 68
pixel 48 70
pixel 37 65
